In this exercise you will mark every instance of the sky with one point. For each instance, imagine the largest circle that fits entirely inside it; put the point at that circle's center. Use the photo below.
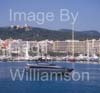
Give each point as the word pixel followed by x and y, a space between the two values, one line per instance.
pixel 88 13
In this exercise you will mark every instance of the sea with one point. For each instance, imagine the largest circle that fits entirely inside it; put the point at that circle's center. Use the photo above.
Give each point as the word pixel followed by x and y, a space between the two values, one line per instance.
pixel 75 84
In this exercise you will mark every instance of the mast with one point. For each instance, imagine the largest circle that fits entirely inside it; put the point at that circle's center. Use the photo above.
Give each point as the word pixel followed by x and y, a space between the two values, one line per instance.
pixel 9 49
pixel 18 51
pixel 38 50
pixel 88 50
pixel 99 50
pixel 73 65
pixel 73 40
pixel 93 52
pixel 27 49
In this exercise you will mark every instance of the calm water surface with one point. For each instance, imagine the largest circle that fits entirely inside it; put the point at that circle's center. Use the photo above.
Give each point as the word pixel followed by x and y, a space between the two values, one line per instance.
pixel 87 86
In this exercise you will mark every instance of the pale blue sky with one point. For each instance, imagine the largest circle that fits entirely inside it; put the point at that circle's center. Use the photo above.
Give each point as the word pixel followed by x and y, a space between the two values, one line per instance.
pixel 88 19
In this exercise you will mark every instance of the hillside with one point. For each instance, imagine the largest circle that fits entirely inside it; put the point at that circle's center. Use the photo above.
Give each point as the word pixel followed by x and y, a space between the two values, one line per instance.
pixel 42 34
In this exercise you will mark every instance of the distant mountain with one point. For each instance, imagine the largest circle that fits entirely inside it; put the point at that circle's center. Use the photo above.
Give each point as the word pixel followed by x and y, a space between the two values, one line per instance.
pixel 42 34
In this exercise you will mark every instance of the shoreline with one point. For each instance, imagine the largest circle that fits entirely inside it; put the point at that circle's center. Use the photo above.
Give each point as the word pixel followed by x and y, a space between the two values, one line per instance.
pixel 57 61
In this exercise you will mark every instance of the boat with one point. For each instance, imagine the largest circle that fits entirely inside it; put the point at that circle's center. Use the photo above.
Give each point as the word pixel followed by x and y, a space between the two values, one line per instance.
pixel 81 57
pixel 94 58
pixel 72 59
pixel 45 67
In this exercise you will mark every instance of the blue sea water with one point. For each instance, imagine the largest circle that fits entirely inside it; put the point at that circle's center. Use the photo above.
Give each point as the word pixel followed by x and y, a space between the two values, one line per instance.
pixel 60 86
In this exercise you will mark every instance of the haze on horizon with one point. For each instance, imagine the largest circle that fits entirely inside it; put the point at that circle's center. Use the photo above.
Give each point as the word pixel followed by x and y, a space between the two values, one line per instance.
pixel 88 19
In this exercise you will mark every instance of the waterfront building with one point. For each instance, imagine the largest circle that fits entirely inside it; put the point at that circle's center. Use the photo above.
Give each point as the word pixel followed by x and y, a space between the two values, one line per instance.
pixel 20 48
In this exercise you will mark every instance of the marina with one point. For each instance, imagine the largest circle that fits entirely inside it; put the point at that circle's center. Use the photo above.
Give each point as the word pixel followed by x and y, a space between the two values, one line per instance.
pixel 49 46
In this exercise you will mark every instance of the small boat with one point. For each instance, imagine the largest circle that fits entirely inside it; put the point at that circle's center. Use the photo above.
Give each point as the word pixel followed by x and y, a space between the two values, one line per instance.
pixel 45 67
pixel 94 58
pixel 81 57
pixel 72 59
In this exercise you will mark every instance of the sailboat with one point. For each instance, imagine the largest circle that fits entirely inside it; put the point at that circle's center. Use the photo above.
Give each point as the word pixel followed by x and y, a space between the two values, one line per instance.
pixel 72 57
